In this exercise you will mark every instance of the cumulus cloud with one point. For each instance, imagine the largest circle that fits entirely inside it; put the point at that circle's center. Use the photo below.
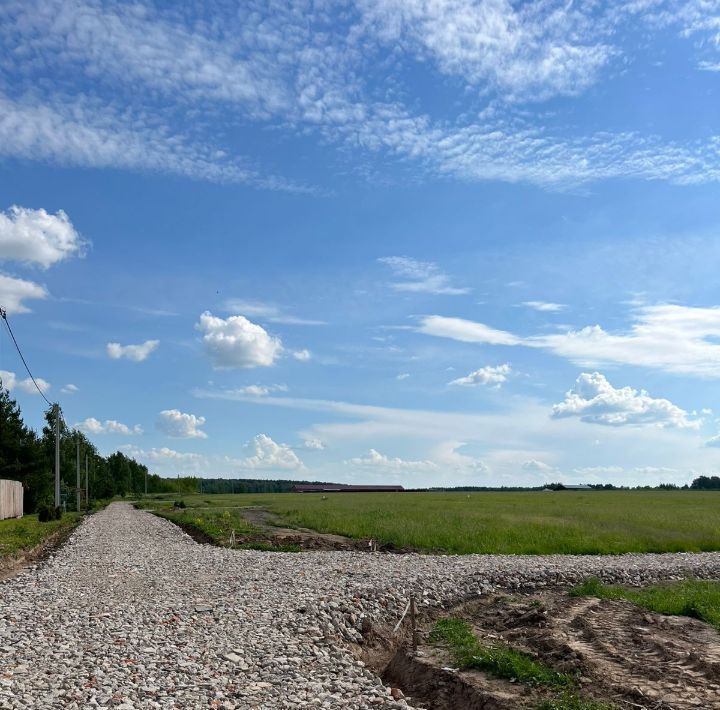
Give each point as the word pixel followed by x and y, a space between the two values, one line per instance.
pixel 70 389
pixel 136 353
pixel 420 276
pixel 593 399
pixel 37 237
pixel 10 382
pixel 236 342
pixel 302 355
pixel 314 445
pixel 375 459
pixel 180 425
pixel 14 292
pixel 487 376
pixel 269 454
pixel 109 426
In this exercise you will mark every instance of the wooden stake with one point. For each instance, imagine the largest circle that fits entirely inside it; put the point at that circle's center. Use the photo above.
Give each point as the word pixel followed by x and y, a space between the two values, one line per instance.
pixel 414 626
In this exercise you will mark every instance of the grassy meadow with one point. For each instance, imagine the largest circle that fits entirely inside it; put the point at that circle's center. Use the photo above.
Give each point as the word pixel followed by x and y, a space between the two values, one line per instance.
pixel 565 522
pixel 17 534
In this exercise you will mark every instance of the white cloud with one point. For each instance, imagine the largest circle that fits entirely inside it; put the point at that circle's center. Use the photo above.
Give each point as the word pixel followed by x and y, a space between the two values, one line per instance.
pixel 544 306
pixel 593 399
pixel 236 342
pixel 261 390
pixel 420 276
pixel 314 445
pixel 302 355
pixel 488 376
pixel 36 237
pixel 307 69
pixel 534 50
pixel 402 376
pixel 517 430
pixel 136 353
pixel 70 389
pixel 669 337
pixel 269 454
pixel 376 459
pixel 170 462
pixel 713 442
pixel 89 134
pixel 14 292
pixel 466 331
pixel 11 382
pixel 449 459
pixel 267 311
pixel 109 426
pixel 538 466
pixel 180 425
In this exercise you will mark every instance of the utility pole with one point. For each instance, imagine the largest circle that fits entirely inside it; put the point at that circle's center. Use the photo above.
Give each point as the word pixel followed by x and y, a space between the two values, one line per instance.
pixel 77 488
pixel 56 410
pixel 87 486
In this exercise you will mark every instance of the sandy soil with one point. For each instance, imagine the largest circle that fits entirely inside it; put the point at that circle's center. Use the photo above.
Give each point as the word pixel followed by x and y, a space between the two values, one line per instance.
pixel 621 654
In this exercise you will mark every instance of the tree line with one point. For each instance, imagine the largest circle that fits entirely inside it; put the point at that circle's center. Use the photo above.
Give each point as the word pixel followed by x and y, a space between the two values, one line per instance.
pixel 29 457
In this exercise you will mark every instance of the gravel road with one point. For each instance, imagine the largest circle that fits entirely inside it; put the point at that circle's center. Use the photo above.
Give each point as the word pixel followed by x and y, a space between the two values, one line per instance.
pixel 132 613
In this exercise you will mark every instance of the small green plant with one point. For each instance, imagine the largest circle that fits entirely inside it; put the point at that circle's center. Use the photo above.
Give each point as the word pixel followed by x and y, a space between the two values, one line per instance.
pixel 501 661
pixel 694 598
pixel 267 547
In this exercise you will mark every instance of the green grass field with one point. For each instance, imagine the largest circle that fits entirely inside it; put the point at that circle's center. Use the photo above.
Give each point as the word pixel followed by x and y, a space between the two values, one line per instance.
pixel 567 522
pixel 26 532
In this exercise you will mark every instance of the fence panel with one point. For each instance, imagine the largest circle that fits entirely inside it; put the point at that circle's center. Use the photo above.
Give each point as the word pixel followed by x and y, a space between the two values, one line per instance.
pixel 11 499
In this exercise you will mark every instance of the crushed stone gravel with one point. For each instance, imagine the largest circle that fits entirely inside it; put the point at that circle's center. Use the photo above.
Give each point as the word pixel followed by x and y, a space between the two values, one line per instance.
pixel 132 613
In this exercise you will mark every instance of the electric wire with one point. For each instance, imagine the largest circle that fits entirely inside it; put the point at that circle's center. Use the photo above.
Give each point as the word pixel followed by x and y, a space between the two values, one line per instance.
pixel 3 315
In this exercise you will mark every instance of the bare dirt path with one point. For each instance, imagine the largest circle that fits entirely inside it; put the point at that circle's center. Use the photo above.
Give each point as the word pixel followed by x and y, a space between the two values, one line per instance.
pixel 132 613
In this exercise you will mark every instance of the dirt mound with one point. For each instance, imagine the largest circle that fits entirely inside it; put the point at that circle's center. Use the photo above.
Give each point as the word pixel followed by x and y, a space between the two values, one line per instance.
pixel 621 654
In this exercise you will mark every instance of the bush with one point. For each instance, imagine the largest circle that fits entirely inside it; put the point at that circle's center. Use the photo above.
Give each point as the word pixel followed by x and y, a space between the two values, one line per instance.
pixel 45 513
pixel 179 504
pixel 58 513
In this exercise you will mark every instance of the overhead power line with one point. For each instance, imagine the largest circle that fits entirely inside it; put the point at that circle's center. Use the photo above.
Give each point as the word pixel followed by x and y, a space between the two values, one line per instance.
pixel 3 315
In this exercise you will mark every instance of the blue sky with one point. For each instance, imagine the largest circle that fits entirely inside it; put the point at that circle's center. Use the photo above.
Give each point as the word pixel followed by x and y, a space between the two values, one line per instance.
pixel 395 241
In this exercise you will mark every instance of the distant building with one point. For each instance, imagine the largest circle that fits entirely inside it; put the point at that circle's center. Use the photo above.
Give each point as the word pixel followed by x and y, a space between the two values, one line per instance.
pixel 341 488
pixel 576 487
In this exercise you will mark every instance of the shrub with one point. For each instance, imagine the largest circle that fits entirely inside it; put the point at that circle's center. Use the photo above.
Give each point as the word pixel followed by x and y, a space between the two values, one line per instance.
pixel 58 513
pixel 179 504
pixel 45 513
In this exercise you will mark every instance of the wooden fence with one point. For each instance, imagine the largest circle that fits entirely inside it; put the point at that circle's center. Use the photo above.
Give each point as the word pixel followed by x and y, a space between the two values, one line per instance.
pixel 11 499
